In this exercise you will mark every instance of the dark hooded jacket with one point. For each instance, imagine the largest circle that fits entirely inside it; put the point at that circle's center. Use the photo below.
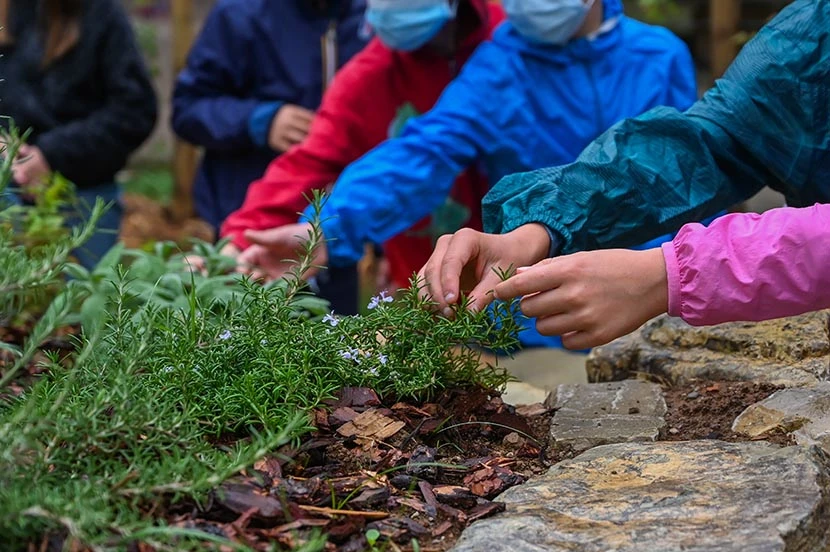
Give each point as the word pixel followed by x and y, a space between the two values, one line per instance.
pixel 89 109
pixel 251 58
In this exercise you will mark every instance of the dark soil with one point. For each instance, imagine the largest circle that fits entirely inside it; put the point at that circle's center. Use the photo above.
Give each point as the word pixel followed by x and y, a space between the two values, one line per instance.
pixel 706 410
pixel 413 472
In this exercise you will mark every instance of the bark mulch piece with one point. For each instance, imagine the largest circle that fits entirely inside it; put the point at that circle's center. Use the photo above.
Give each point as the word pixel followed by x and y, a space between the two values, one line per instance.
pixel 412 472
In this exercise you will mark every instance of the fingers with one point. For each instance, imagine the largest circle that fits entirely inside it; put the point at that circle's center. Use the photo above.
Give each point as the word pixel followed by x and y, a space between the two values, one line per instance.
pixel 461 249
pixel 430 274
pixel 270 237
pixel 294 136
pixel 542 276
pixel 24 151
pixel 302 115
pixel 558 324
pixel 482 295
pixel 577 341
pixel 230 250
pixel 195 263
pixel 576 331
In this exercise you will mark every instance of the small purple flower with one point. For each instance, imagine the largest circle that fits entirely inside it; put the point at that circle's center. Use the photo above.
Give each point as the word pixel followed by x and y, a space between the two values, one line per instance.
pixel 383 359
pixel 378 300
pixel 351 354
pixel 263 342
pixel 226 335
pixel 331 319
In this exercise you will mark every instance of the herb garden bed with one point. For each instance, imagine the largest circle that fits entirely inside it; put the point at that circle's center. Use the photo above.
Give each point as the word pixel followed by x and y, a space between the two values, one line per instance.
pixel 186 410
pixel 376 477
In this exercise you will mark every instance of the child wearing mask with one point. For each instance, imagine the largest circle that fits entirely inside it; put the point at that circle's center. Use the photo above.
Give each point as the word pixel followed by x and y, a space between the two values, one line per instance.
pixel 554 77
pixel 401 73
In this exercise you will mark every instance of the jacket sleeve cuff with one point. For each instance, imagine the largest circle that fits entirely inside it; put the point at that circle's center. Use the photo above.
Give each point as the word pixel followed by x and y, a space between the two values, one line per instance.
pixel 555 242
pixel 259 123
pixel 673 277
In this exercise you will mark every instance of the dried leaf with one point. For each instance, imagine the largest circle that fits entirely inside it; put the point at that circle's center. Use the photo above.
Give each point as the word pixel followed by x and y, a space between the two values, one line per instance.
pixel 485 509
pixel 270 466
pixel 371 426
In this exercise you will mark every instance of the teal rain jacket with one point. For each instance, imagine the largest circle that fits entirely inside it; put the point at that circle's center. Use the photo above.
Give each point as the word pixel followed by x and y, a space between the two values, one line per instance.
pixel 767 122
pixel 515 106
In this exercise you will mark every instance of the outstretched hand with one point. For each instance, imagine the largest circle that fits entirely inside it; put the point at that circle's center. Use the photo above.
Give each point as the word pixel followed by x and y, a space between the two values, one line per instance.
pixel 591 298
pixel 274 252
pixel 469 261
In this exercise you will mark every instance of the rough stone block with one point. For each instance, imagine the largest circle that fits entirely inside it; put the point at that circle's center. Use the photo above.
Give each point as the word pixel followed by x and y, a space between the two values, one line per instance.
pixel 700 496
pixel 791 352
pixel 588 415
pixel 804 412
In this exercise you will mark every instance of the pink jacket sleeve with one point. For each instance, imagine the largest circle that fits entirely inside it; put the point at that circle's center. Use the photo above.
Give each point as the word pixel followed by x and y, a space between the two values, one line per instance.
pixel 750 267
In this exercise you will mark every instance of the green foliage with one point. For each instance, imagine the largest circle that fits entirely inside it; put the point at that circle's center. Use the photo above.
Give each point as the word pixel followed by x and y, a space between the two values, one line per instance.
pixel 163 277
pixel 34 245
pixel 89 447
pixel 170 360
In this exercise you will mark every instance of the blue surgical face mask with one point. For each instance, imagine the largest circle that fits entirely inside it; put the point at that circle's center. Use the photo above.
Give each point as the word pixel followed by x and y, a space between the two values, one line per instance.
pixel 408 24
pixel 547 21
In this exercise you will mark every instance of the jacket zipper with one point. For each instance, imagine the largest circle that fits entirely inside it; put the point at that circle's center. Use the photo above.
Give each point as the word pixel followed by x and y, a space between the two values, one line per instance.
pixel 330 54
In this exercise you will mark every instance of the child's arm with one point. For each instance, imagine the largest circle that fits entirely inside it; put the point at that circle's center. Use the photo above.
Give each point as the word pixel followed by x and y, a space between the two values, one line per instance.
pixel 751 267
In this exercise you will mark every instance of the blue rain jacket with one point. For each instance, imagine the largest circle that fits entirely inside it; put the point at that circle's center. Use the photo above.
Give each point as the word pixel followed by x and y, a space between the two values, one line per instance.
pixel 250 58
pixel 767 122
pixel 515 106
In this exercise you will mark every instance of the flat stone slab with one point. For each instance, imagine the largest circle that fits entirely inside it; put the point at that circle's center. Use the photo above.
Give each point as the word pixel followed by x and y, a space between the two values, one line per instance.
pixel 695 496
pixel 791 352
pixel 588 415
pixel 804 412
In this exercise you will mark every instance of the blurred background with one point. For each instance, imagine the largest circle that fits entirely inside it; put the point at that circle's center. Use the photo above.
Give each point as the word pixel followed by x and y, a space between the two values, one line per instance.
pixel 157 182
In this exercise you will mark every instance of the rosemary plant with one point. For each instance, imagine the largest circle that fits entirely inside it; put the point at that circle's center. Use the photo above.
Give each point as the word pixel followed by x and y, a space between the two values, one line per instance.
pixel 96 450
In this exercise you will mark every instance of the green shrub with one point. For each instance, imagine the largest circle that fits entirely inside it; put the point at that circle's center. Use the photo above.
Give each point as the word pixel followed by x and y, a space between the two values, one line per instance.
pixel 169 360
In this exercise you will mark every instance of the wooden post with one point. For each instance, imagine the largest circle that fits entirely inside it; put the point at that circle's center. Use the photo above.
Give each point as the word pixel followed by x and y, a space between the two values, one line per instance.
pixel 185 156
pixel 724 18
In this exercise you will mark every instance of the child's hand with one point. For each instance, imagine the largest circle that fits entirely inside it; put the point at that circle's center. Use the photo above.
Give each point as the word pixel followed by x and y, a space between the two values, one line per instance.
pixel 591 298
pixel 289 127
pixel 30 168
pixel 273 252
pixel 468 261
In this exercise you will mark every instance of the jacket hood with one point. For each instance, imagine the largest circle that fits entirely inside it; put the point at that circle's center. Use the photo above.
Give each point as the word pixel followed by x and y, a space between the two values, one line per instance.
pixel 581 48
